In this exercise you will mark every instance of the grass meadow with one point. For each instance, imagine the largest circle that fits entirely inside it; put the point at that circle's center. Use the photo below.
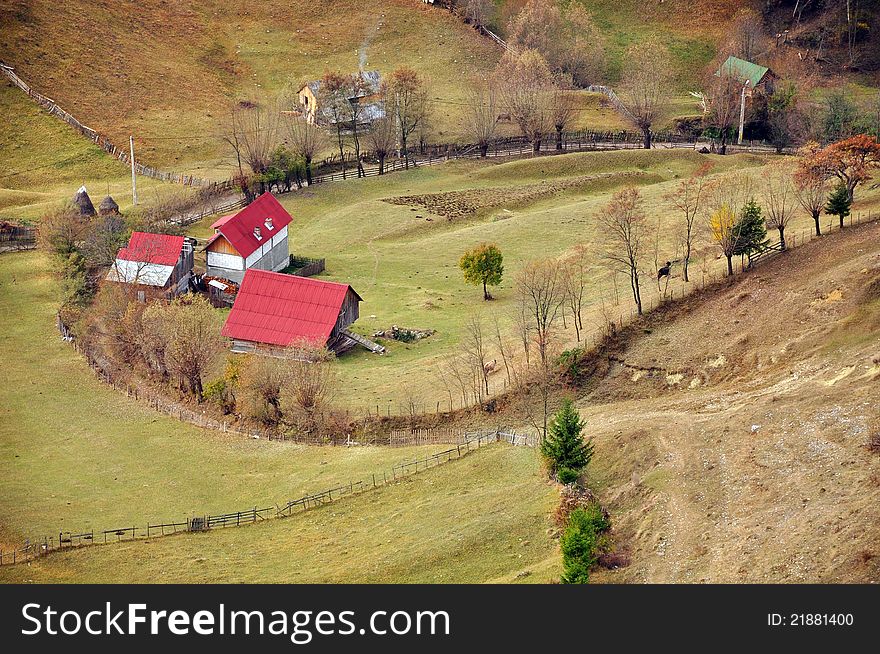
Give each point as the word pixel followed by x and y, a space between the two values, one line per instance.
pixel 483 518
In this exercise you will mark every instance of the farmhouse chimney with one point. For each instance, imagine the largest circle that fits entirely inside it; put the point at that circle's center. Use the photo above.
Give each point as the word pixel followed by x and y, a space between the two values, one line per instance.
pixel 269 223
pixel 258 234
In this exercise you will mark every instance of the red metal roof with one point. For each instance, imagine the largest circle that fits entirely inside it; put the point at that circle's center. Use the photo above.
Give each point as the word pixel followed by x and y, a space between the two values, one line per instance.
pixel 239 229
pixel 161 249
pixel 222 220
pixel 280 309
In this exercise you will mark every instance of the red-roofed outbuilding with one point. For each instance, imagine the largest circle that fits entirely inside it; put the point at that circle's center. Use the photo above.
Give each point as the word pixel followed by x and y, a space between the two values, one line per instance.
pixel 255 237
pixel 160 261
pixel 274 310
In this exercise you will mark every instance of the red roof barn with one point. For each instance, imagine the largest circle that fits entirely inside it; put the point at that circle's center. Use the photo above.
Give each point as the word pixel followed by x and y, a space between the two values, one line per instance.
pixel 278 310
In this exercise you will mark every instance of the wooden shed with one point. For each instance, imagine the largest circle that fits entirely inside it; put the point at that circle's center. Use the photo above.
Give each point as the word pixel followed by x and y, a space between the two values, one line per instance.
pixel 274 311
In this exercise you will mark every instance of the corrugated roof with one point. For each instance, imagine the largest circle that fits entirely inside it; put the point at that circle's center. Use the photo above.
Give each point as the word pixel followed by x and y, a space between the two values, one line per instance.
pixel 283 310
pixel 743 70
pixel 239 229
pixel 222 220
pixel 161 249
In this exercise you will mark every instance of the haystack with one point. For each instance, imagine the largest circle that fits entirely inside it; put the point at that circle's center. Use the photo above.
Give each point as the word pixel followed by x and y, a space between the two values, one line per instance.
pixel 108 207
pixel 84 202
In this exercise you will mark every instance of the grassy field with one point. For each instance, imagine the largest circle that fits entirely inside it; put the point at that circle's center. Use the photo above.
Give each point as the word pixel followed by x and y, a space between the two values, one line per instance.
pixel 402 259
pixel 76 454
pixel 43 161
pixel 484 518
pixel 202 57
pixel 215 52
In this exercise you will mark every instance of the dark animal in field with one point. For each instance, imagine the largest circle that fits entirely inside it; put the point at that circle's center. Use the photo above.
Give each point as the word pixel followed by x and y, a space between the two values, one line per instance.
pixel 664 271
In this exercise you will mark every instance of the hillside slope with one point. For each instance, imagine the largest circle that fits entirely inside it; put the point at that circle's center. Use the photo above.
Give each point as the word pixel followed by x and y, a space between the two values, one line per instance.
pixel 166 72
pixel 732 433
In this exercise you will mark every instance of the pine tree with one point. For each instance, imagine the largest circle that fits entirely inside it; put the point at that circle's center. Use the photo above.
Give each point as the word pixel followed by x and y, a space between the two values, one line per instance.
pixel 564 447
pixel 839 203
pixel 751 231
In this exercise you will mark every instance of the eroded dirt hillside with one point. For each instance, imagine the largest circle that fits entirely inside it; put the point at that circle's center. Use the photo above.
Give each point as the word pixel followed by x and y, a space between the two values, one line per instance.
pixel 732 433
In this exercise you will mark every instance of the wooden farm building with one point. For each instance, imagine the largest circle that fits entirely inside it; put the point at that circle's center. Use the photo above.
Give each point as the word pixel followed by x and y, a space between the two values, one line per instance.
pixel 161 263
pixel 274 311
pixel 754 77
pixel 255 237
pixel 310 97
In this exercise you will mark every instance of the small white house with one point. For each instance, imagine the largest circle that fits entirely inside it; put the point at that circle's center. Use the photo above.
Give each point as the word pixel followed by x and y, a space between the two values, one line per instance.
pixel 160 262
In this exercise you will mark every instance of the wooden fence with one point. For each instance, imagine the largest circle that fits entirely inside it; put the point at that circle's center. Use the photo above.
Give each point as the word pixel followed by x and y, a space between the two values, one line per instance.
pixel 305 267
pixel 18 237
pixel 35 548
pixel 122 154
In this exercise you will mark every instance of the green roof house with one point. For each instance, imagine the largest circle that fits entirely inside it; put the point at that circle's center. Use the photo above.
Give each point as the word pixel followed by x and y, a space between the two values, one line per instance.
pixel 757 77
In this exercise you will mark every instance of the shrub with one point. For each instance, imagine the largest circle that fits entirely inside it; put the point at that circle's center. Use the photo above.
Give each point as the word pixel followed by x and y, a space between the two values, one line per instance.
pixel 580 543
pixel 567 475
pixel 569 363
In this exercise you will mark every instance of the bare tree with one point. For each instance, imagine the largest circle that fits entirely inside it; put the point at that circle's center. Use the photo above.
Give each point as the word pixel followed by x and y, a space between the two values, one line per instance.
pixel 577 276
pixel 645 87
pixel 406 96
pixel 60 230
pixel 477 12
pixel 567 38
pixel 687 198
pixel 304 139
pixel 482 116
pixel 333 101
pixel 723 100
pixel 623 221
pixel 563 109
pixel 747 35
pixel 252 132
pixel 779 198
pixel 527 85
pixel 308 387
pixel 503 349
pixel 474 347
pixel 811 185
pixel 540 286
pixel 382 138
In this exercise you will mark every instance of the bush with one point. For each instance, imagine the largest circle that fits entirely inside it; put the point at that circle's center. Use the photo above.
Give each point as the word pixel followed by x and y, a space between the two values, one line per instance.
pixel 567 475
pixel 581 542
pixel 569 363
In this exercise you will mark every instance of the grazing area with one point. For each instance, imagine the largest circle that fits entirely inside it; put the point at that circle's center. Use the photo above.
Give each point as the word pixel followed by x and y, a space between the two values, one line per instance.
pixel 733 433
pixel 481 519
pixel 77 454
pixel 216 52
pixel 403 259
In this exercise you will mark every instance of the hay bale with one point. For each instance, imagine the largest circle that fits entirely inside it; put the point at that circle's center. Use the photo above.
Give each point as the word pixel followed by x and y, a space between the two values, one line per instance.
pixel 84 202
pixel 108 207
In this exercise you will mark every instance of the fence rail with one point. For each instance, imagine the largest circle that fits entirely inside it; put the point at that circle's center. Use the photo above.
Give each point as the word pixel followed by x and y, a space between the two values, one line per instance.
pixel 122 154
pixel 472 442
pixel 17 237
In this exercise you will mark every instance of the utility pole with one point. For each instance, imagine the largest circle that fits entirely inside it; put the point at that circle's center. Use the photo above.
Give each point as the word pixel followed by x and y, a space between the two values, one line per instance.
pixel 742 111
pixel 134 192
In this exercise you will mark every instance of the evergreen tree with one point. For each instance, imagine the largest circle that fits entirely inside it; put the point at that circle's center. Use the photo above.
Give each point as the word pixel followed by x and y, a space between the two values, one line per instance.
pixel 839 203
pixel 564 447
pixel 751 231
